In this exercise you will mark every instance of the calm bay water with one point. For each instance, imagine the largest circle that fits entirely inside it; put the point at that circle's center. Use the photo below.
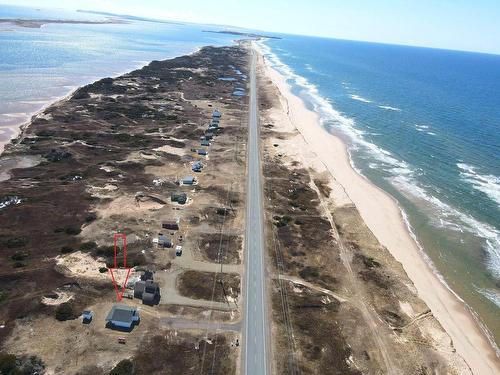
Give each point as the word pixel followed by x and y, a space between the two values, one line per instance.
pixel 424 125
pixel 37 66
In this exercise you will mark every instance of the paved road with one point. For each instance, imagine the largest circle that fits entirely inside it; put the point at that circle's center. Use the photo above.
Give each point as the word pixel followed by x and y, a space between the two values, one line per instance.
pixel 255 334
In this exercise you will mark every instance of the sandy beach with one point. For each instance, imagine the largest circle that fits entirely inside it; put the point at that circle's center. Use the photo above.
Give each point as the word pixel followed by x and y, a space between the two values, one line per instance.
pixel 383 216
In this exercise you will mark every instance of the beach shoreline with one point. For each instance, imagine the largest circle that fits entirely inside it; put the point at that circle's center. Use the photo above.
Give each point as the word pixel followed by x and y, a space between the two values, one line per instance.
pixel 385 218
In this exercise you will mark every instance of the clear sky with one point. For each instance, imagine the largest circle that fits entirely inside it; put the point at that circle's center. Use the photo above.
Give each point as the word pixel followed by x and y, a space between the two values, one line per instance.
pixel 472 25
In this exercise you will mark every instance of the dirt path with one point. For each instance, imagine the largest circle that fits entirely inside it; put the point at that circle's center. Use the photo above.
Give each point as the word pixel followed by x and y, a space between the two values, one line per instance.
pixel 299 281
pixel 358 299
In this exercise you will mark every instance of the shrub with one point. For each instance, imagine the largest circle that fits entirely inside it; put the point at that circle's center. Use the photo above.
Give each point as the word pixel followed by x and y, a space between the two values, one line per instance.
pixel 124 367
pixel 137 260
pixel 91 217
pixel 73 231
pixel 309 273
pixel 107 251
pixel 66 250
pixel 102 269
pixel 7 363
pixel 19 264
pixel 23 365
pixel 19 255
pixel 87 246
pixel 65 312
pixel 3 297
pixel 16 242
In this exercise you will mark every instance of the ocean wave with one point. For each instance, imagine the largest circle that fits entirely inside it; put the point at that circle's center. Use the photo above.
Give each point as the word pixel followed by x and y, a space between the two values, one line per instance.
pixel 421 128
pixel 487 183
pixel 491 295
pixel 359 98
pixel 402 175
pixel 389 108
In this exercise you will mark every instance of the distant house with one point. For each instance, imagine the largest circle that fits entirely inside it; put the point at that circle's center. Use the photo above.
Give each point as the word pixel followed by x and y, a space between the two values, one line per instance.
pixel 180 198
pixel 189 180
pixel 164 241
pixel 209 135
pixel 122 316
pixel 87 316
pixel 170 224
pixel 216 114
pixel 202 152
pixel 205 143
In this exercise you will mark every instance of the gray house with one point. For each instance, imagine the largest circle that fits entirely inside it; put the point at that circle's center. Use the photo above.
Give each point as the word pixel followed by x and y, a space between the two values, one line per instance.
pixel 151 295
pixel 164 241
pixel 180 198
pixel 148 291
pixel 189 180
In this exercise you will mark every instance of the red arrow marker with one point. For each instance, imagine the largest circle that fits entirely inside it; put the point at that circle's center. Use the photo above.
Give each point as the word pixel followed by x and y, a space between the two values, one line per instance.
pixel 119 295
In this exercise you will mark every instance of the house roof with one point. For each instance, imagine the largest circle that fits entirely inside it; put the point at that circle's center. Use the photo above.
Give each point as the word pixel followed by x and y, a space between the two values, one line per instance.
pixel 216 113
pixel 148 297
pixel 139 286
pixel 121 313
pixel 152 287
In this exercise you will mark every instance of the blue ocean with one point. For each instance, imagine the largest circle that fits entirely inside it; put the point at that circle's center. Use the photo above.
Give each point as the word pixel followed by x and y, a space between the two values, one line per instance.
pixel 424 125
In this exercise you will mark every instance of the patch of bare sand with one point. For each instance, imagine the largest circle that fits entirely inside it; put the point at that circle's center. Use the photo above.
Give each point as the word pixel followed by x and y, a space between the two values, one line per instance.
pixel 60 297
pixel 171 150
pixel 79 264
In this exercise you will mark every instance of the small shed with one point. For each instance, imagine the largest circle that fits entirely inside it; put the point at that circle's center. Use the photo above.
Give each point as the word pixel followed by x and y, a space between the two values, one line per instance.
pixel 122 316
pixel 87 316
pixel 209 135
pixel 205 143
pixel 170 224
pixel 180 198
pixel 202 152
pixel 178 251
